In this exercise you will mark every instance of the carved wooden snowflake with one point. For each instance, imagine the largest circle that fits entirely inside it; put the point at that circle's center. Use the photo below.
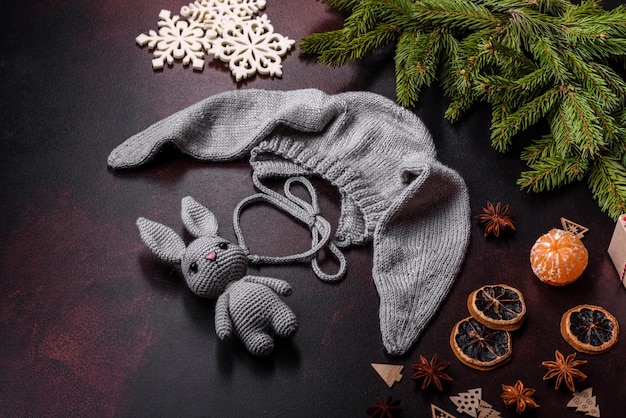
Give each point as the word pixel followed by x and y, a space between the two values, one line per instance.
pixel 250 47
pixel 176 40
pixel 227 29
pixel 211 13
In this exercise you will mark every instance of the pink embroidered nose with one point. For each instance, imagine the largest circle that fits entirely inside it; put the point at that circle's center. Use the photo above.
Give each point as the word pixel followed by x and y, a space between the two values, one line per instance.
pixel 211 256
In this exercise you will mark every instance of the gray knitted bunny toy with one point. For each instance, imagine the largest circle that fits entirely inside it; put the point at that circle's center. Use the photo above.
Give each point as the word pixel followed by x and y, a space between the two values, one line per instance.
pixel 246 305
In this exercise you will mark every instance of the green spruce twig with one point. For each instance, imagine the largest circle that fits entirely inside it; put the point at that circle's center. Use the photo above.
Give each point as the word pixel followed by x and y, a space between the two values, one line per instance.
pixel 529 59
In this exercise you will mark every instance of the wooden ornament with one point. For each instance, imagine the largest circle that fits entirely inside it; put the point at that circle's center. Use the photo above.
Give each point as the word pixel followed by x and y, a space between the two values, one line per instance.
pixel 228 30
pixel 251 47
pixel 578 230
pixel 584 401
pixel 437 412
pixel 176 40
pixel 617 248
pixel 594 412
pixel 390 373
pixel 485 410
pixel 468 402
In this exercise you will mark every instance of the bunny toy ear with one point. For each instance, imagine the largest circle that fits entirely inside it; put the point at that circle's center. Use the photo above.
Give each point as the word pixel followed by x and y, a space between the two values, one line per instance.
pixel 198 220
pixel 161 240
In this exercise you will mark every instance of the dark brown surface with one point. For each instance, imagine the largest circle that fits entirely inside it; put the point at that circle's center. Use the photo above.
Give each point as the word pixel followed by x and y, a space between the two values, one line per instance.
pixel 91 324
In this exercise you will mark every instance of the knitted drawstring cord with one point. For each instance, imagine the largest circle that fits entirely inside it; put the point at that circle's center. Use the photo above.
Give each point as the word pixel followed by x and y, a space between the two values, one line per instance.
pixel 307 213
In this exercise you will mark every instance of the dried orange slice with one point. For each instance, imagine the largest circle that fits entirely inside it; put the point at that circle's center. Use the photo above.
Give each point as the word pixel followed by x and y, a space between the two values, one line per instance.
pixel 558 257
pixel 589 329
pixel 479 346
pixel 498 306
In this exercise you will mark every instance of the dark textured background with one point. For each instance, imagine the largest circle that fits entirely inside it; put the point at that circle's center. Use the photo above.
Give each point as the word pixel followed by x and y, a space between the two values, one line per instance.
pixel 91 324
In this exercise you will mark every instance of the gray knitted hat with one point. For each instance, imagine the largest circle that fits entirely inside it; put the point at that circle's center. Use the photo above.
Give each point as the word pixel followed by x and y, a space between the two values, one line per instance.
pixel 394 192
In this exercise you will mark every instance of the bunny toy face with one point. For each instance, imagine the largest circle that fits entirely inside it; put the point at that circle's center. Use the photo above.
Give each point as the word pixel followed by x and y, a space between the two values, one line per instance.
pixel 210 264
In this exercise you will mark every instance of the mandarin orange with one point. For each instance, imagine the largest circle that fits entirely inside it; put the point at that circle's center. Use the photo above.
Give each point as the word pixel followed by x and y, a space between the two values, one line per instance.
pixel 558 257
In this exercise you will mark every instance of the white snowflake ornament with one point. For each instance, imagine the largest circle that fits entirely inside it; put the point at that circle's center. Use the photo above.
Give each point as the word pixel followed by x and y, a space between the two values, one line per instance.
pixel 250 47
pixel 177 40
pixel 211 13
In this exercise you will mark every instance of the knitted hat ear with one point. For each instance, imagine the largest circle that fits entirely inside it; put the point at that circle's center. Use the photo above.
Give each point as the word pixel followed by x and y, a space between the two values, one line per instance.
pixel 207 130
pixel 198 220
pixel 419 246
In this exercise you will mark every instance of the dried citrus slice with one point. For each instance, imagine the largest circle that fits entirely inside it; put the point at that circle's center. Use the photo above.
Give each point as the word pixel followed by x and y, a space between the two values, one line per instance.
pixel 589 329
pixel 498 306
pixel 558 257
pixel 479 346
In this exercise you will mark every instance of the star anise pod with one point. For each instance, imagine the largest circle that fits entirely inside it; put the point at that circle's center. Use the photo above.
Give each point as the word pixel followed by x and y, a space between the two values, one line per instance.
pixel 564 369
pixel 496 218
pixel 431 372
pixel 384 408
pixel 519 396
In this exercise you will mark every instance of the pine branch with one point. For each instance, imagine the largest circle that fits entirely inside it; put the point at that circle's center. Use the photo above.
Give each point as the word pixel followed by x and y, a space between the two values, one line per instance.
pixel 452 54
pixel 341 4
pixel 401 13
pixel 589 16
pixel 612 129
pixel 409 70
pixel 552 172
pixel 359 46
pixel 529 59
pixel 527 115
pixel 592 81
pixel 541 149
pixel 496 89
pixel 364 19
pixel 461 86
pixel 529 24
pixel 594 32
pixel 554 7
pixel 561 131
pixel 508 57
pixel 550 7
pixel 318 43
pixel 417 56
pixel 460 15
pixel 585 126
pixel 612 80
pixel 503 6
pixel 607 181
pixel 458 106
pixel 464 97
pixel 548 55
